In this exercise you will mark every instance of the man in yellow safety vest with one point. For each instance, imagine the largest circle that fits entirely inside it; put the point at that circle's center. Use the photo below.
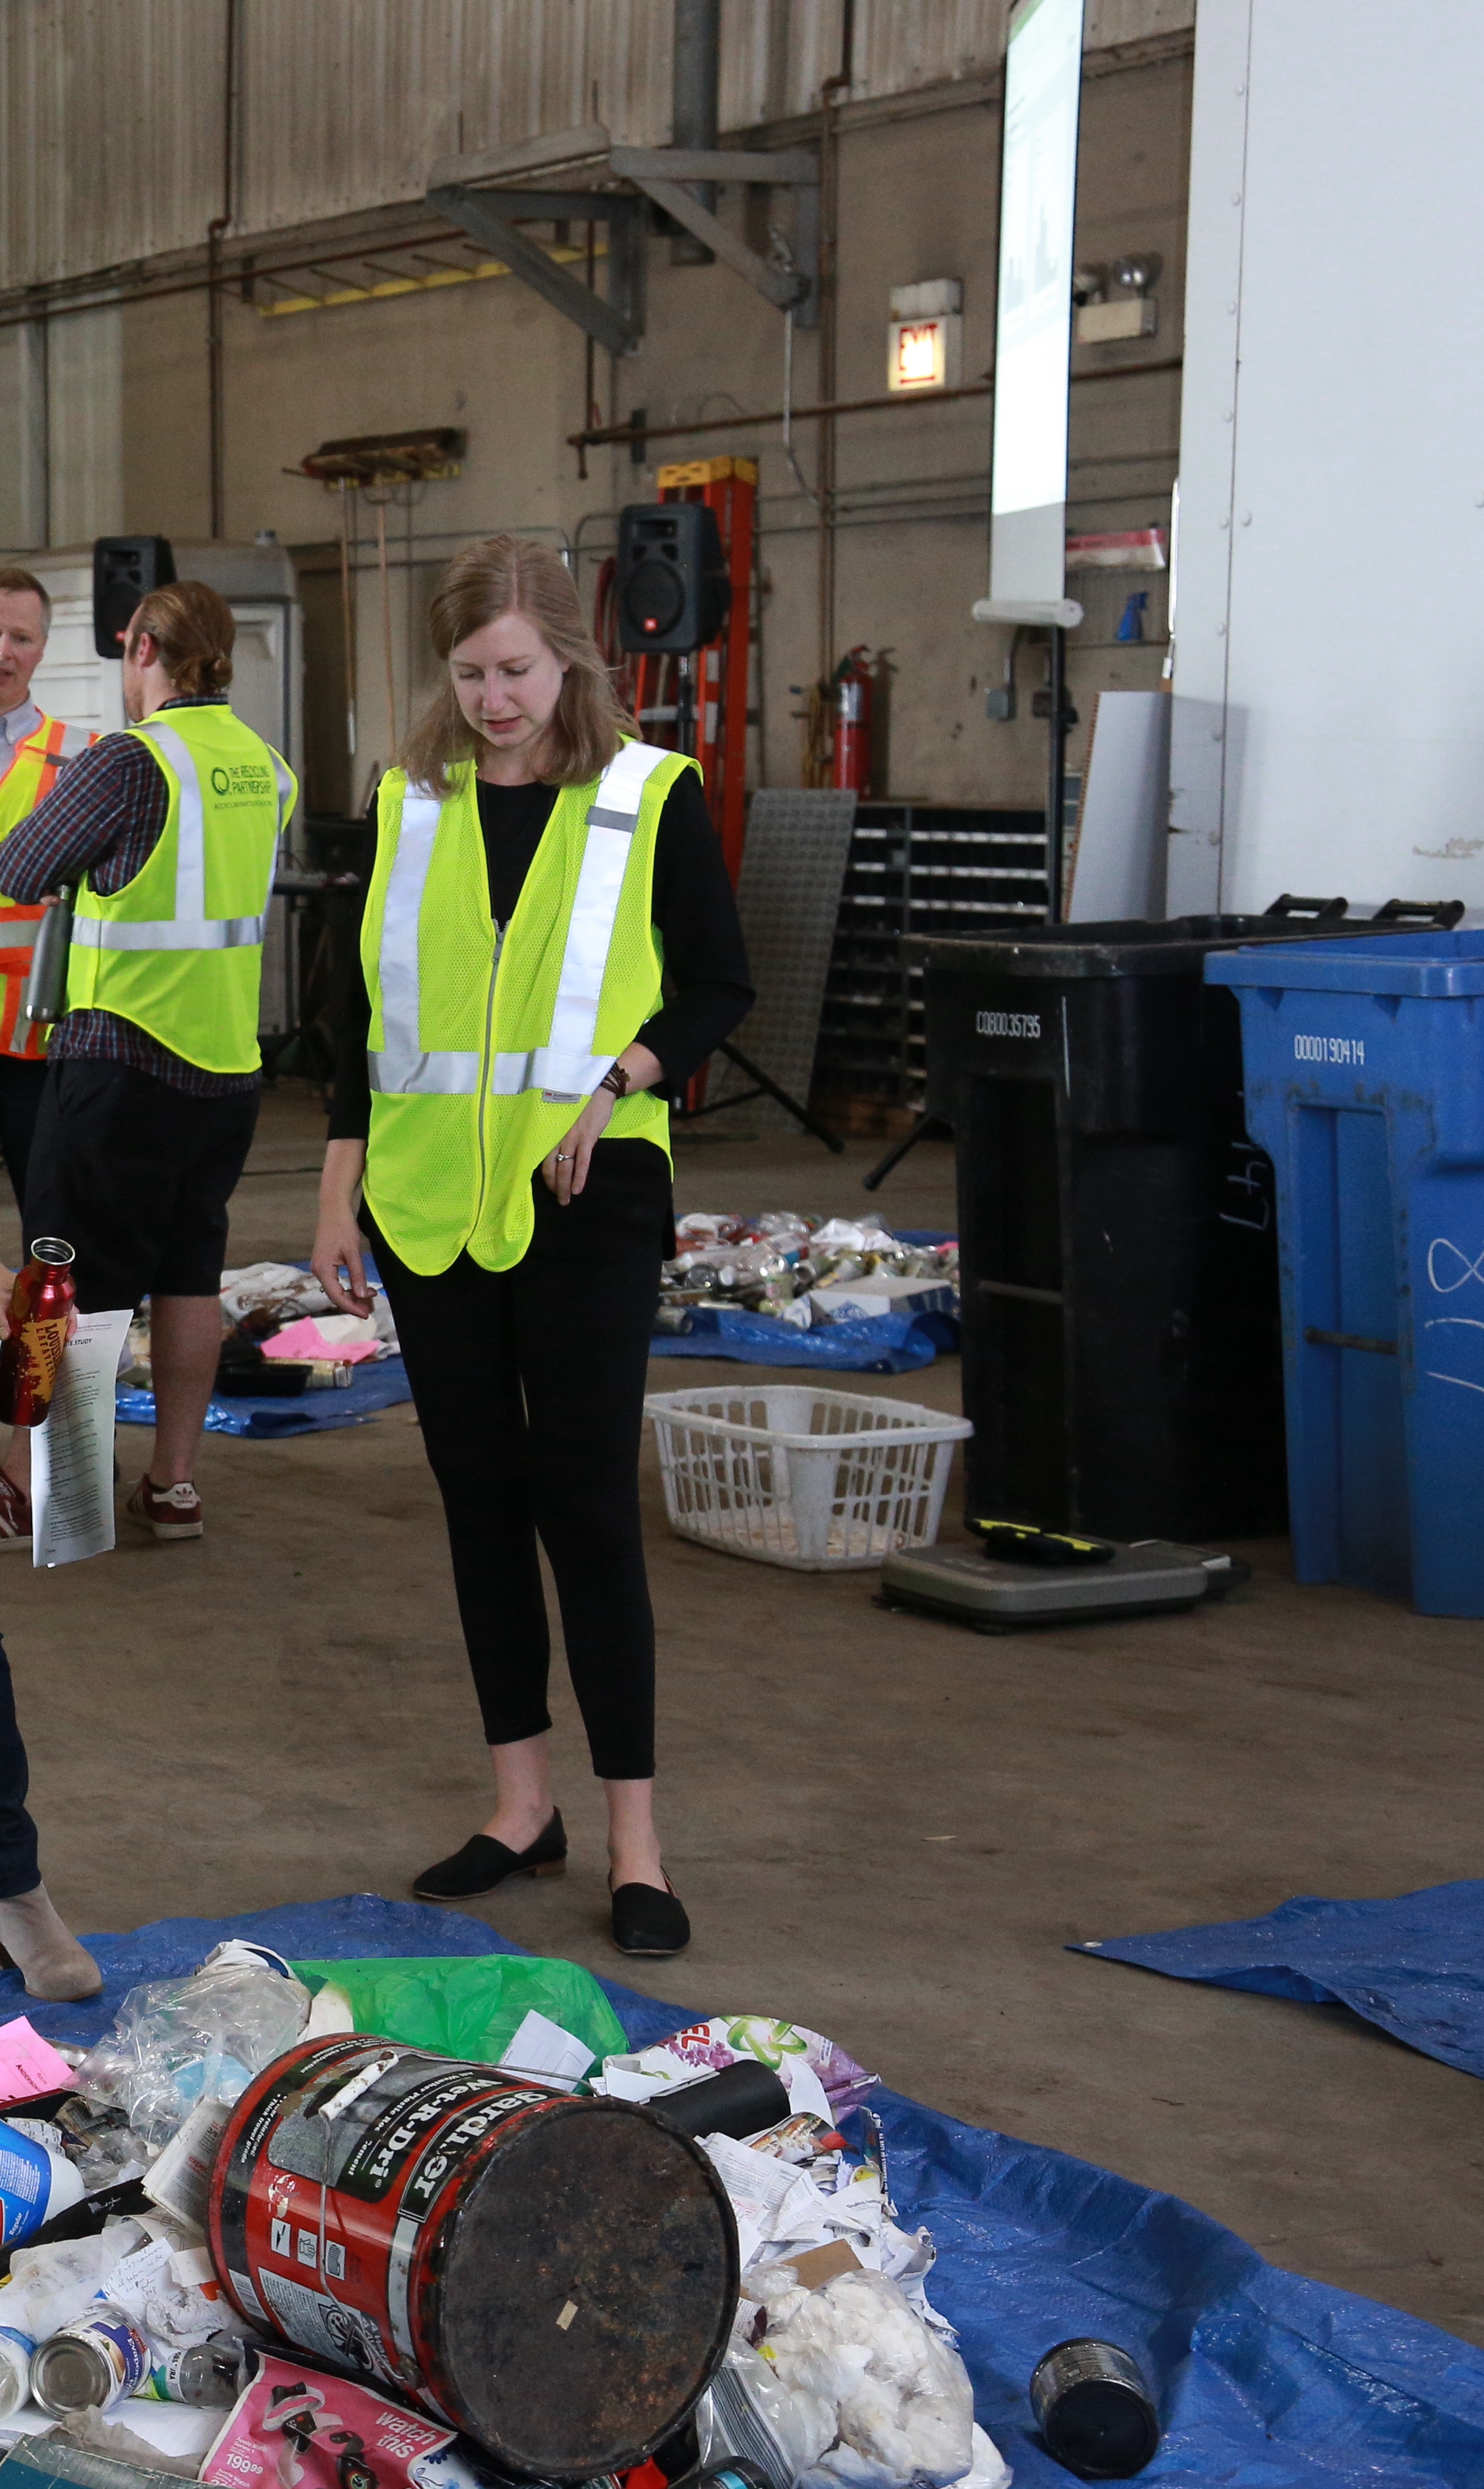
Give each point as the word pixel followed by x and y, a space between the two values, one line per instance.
pixel 171 831
pixel 33 749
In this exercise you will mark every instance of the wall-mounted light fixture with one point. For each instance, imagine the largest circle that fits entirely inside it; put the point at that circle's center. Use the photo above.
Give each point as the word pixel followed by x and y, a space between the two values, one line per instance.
pixel 925 342
pixel 1117 302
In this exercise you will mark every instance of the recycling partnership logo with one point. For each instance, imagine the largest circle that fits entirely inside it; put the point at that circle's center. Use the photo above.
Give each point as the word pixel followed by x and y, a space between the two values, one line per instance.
pixel 245 777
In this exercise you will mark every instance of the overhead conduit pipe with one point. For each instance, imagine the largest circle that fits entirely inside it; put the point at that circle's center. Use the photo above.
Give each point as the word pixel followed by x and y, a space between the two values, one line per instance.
pixel 696 81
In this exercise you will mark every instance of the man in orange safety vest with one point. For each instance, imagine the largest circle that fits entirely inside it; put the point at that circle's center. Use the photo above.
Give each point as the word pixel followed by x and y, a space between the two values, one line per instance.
pixel 33 749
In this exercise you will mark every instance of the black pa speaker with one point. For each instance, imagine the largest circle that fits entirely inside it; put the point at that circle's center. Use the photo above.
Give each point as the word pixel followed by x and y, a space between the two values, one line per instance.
pixel 673 590
pixel 125 568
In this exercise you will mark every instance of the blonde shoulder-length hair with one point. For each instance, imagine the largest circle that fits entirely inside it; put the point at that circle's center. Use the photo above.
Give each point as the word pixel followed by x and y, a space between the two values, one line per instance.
pixel 510 575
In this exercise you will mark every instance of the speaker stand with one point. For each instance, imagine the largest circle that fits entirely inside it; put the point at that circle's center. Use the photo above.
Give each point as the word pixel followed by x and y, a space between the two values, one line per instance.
pixel 927 1127
pixel 765 1088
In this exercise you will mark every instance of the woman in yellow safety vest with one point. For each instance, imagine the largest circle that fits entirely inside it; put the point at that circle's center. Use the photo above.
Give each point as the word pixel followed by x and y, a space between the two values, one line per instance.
pixel 550 949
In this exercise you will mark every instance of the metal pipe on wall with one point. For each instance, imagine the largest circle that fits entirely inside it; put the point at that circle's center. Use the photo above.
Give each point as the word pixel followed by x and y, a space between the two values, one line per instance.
pixel 214 352
pixel 832 94
pixel 696 82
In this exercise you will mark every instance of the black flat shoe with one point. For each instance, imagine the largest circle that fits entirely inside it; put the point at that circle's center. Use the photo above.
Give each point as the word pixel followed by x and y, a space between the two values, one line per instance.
pixel 482 1864
pixel 649 1922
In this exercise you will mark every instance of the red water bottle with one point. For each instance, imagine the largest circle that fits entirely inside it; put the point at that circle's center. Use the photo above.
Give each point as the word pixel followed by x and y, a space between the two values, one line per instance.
pixel 42 1303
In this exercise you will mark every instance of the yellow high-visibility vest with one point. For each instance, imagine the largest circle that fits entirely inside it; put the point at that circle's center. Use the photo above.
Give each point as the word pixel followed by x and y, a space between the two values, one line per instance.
pixel 27 782
pixel 483 1050
pixel 179 950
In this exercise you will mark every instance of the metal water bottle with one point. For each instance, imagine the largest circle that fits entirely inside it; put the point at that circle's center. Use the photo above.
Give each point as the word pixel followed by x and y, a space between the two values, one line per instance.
pixel 46 984
pixel 42 1302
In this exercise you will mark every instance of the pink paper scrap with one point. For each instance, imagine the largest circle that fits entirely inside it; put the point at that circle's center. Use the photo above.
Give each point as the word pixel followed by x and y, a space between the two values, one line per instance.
pixel 28 2063
pixel 305 1339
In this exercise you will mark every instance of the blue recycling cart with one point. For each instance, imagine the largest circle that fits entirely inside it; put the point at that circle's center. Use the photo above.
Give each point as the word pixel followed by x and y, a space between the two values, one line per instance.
pixel 1364 1065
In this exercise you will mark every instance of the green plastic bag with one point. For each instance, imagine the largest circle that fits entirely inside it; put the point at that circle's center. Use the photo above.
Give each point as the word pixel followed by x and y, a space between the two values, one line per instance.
pixel 471 2005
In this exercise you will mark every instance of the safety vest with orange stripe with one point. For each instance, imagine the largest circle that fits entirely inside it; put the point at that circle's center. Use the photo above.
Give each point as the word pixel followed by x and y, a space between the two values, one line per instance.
pixel 27 782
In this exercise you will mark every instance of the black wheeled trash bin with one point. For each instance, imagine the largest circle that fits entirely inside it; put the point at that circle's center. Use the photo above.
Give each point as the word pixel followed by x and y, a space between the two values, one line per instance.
pixel 1122 1342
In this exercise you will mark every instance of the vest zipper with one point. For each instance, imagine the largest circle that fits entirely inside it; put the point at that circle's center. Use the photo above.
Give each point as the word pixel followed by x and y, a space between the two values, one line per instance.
pixel 484 1065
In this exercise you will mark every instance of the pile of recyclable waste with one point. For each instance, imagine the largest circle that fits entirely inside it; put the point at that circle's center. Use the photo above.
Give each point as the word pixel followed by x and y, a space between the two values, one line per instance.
pixel 803 1271
pixel 433 2225
pixel 279 1336
pixel 264 2231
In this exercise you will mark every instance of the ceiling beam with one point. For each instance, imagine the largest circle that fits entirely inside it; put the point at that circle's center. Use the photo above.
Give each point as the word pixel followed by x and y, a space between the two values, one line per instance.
pixel 787 166
pixel 778 286
pixel 586 145
pixel 478 212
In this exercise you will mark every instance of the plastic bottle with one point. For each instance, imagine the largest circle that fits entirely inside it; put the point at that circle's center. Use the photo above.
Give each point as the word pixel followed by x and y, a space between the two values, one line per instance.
pixel 15 2353
pixel 36 2179
pixel 209 2374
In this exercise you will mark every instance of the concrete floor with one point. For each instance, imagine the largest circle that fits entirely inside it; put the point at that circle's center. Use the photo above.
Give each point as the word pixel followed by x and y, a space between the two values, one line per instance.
pixel 884 1827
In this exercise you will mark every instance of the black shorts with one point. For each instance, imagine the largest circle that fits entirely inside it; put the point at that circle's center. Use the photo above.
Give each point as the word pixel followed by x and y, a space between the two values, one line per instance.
pixel 136 1177
pixel 22 1083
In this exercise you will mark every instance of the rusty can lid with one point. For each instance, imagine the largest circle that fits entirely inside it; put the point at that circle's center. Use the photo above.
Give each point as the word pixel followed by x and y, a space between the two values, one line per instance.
pixel 582 2291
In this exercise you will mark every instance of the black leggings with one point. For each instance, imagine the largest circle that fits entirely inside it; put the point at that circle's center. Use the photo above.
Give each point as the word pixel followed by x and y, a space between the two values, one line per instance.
pixel 19 1871
pixel 530 1384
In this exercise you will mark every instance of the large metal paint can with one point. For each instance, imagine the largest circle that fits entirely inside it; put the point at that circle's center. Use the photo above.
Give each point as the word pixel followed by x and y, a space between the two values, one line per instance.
pixel 555 2275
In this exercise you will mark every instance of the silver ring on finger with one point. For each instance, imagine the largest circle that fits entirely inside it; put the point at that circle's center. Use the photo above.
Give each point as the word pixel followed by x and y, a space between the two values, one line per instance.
pixel 564 1158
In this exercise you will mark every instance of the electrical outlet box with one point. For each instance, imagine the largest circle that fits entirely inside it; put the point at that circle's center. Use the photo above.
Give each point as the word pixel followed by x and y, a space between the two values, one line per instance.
pixel 1000 704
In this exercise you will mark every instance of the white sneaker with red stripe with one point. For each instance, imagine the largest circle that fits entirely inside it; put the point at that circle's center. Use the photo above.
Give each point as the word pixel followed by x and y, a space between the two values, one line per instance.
pixel 170 1512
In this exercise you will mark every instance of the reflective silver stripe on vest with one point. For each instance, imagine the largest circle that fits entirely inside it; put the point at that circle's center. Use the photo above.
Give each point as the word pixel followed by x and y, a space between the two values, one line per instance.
pixel 75 739
pixel 190 928
pixel 566 1065
pixel 19 933
pixel 401 1070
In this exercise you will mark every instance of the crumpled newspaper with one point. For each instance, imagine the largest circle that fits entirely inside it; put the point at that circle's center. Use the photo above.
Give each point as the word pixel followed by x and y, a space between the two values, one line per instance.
pixel 276 1287
pixel 783 2209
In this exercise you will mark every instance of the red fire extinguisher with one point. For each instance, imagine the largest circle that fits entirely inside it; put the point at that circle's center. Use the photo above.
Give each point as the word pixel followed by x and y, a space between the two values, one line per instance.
pixel 851 689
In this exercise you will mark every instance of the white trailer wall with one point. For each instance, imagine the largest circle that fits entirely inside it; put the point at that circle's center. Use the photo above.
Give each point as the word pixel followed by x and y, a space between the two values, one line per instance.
pixel 1328 728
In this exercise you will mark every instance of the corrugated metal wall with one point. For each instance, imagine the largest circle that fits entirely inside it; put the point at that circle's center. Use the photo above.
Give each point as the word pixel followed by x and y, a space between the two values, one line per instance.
pixel 113 116
pixel 111 126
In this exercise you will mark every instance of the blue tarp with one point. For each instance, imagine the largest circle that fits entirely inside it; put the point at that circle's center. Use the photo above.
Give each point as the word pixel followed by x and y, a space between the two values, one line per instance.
pixel 875 1344
pixel 1267 2381
pixel 1415 1964
pixel 374 1387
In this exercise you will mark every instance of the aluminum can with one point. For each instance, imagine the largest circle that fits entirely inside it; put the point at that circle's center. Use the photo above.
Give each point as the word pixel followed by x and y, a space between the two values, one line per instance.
pixel 42 1302
pixel 91 2363
pixel 1094 2411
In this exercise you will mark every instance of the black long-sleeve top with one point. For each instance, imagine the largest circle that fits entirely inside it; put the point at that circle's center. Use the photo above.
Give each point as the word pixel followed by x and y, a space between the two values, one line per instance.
pixel 708 989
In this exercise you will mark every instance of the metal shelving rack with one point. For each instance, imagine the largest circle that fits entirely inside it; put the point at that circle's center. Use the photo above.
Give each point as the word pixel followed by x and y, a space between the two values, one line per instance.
pixel 943 868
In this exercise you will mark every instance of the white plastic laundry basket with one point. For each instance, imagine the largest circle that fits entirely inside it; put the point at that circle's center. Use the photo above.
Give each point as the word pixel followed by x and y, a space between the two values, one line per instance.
pixel 824 1481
